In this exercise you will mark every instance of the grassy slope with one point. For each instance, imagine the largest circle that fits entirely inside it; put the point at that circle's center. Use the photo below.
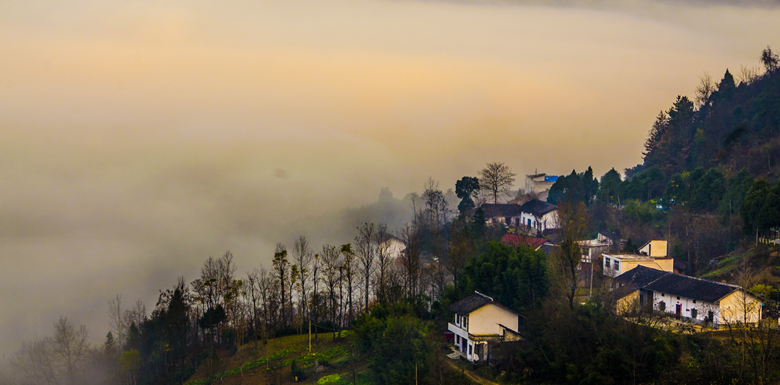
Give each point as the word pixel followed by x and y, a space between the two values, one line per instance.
pixel 763 265
pixel 271 363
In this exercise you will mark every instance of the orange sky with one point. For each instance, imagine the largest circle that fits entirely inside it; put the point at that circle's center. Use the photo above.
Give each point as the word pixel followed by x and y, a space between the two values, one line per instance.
pixel 140 137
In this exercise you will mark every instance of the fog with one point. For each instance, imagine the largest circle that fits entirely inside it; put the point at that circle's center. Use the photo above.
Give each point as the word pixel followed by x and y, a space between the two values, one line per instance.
pixel 138 138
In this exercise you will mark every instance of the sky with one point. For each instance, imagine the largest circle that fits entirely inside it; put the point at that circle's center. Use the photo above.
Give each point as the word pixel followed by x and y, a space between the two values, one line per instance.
pixel 138 138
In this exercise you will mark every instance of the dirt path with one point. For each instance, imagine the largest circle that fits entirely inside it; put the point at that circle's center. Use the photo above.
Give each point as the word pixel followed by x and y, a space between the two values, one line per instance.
pixel 470 374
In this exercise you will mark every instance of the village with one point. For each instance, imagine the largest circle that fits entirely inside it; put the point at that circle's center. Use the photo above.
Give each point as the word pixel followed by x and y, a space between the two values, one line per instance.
pixel 632 283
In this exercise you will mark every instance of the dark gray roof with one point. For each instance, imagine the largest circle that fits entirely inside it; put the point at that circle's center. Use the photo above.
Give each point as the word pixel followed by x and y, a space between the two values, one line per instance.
pixel 639 276
pixel 493 210
pixel 683 285
pixel 474 302
pixel 537 207
pixel 470 303
pixel 675 284
pixel 608 234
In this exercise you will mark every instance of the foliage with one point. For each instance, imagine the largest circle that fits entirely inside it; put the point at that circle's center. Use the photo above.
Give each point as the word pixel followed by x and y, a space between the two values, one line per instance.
pixel 587 344
pixel 609 188
pixel 516 277
pixel 398 347
pixel 466 189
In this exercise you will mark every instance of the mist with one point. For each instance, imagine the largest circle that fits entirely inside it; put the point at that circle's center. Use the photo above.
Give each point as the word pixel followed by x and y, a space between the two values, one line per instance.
pixel 141 137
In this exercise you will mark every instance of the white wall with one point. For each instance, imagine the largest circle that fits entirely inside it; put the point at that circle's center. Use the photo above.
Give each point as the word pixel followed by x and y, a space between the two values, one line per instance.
pixel 687 305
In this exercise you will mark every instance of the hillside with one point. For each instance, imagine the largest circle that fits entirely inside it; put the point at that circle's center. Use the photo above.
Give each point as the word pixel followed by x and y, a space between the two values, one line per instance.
pixel 731 125
pixel 330 363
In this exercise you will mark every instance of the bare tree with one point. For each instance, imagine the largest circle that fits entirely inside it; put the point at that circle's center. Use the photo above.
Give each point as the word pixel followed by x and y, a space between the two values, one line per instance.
pixel 365 255
pixel 117 320
pixel 411 259
pixel 705 89
pixel 382 239
pixel 282 275
pixel 252 294
pixel 302 256
pixel 316 267
pixel 331 263
pixel 496 179
pixel 36 364
pixel 266 288
pixel 348 272
pixel 573 224
pixel 136 315
pixel 70 347
pixel 748 75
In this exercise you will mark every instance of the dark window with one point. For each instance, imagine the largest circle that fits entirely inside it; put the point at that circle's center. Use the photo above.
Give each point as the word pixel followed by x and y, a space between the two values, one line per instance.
pixel 678 297
pixel 606 263
pixel 662 294
pixel 470 348
pixel 662 306
pixel 694 313
pixel 617 265
pixel 694 301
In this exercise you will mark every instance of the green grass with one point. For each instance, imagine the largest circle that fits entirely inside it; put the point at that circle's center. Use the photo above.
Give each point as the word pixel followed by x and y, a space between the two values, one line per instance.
pixel 726 265
pixel 344 379
pixel 284 358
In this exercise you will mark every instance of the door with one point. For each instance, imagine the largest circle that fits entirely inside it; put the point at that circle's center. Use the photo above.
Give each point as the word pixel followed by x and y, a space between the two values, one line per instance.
pixel 678 311
pixel 649 302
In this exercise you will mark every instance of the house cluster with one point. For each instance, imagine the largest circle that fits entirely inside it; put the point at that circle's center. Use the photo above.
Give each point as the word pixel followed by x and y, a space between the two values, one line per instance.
pixel 647 280
pixel 533 217
pixel 652 281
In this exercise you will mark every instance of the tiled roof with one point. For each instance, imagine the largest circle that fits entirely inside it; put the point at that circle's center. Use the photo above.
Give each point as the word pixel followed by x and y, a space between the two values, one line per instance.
pixel 640 276
pixel 675 284
pixel 470 303
pixel 516 240
pixel 683 285
pixel 493 210
pixel 537 207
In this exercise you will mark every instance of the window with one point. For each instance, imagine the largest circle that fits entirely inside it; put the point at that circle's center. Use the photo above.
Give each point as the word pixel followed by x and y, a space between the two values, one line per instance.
pixel 470 347
pixel 617 265
pixel 694 313
pixel 662 294
pixel 694 301
pixel 678 297
pixel 466 322
pixel 457 319
pixel 606 263
pixel 662 306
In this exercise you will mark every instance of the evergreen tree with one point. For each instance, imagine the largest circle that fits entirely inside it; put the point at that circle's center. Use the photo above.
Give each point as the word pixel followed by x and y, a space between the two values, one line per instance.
pixel 610 186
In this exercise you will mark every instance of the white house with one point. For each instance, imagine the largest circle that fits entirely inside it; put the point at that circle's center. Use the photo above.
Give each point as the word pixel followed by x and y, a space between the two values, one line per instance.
pixel 394 246
pixel 616 264
pixel 479 321
pixel 685 297
pixel 504 213
pixel 654 249
pixel 539 216
pixel 539 183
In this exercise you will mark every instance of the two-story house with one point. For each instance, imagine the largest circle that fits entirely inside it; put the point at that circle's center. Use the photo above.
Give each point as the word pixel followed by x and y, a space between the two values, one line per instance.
pixel 480 321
